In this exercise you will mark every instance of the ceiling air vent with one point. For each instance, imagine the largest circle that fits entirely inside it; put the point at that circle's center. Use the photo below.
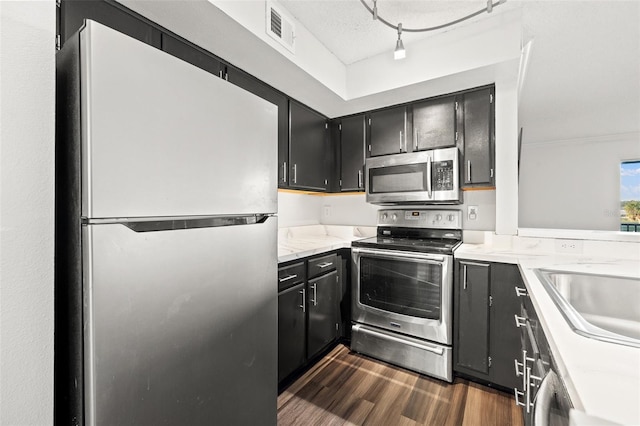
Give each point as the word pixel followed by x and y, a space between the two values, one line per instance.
pixel 280 27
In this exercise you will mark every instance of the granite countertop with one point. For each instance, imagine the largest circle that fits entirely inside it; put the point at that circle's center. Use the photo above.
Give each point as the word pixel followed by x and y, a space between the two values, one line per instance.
pixel 303 241
pixel 602 379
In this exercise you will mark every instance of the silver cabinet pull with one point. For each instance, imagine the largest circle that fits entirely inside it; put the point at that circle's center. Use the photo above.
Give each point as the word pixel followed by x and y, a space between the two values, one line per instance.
pixel 517 367
pixel 464 277
pixel 284 172
pixel 314 286
pixel 287 278
pixel 295 173
pixel 520 321
pixel 324 265
pixel 359 178
pixel 429 181
pixel 468 171
pixel 415 137
pixel 518 394
pixel 304 300
pixel 520 292
pixel 400 140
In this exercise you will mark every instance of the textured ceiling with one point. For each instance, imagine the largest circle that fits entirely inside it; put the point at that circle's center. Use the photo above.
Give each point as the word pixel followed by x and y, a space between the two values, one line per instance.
pixel 348 30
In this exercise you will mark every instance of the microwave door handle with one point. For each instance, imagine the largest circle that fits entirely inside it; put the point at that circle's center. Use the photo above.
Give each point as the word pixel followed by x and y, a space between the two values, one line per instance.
pixel 429 176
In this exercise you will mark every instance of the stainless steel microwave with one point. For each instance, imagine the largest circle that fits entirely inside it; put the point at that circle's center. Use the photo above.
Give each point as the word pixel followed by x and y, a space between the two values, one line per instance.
pixel 425 177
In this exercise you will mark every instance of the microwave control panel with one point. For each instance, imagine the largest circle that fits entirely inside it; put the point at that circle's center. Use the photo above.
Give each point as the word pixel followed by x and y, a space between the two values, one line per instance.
pixel 442 172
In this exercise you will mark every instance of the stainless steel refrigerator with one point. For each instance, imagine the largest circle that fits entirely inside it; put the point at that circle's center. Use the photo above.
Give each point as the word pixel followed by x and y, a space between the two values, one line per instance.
pixel 166 257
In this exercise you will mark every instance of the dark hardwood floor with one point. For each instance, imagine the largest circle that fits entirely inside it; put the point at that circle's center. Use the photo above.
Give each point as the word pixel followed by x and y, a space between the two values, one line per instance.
pixel 348 388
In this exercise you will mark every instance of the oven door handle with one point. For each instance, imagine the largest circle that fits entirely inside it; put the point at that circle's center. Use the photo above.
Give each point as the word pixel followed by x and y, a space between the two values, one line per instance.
pixel 438 350
pixel 395 254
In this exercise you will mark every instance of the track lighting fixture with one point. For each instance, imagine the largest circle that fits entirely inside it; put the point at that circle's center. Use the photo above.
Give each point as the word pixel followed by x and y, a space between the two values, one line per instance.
pixel 399 51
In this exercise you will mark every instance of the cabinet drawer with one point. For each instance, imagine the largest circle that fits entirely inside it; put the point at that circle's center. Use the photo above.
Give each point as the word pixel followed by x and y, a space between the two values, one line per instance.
pixel 290 275
pixel 322 265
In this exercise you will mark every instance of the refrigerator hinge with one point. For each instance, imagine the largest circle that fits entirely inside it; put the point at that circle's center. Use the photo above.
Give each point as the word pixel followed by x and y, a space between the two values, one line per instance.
pixel 58 42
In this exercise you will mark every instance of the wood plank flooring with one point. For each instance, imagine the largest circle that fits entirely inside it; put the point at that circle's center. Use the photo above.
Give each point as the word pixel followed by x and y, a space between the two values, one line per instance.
pixel 346 388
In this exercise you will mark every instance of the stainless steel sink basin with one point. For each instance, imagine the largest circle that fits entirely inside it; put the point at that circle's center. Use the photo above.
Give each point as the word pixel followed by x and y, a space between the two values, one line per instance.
pixel 600 307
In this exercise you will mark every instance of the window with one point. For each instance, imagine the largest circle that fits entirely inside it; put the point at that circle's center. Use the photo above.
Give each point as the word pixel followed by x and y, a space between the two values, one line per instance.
pixel 630 196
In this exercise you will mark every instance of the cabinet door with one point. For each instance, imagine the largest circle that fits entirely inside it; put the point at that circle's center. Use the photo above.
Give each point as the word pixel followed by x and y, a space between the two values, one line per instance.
pixel 255 86
pixel 505 336
pixel 74 12
pixel 472 318
pixel 308 148
pixel 352 153
pixel 434 124
pixel 478 138
pixel 291 330
pixel 388 131
pixel 323 312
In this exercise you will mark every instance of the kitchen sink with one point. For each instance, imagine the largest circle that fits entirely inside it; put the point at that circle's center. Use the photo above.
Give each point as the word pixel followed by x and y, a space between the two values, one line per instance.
pixel 600 307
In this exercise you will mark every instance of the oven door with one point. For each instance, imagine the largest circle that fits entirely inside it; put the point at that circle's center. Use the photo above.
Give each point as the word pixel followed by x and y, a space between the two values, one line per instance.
pixel 404 292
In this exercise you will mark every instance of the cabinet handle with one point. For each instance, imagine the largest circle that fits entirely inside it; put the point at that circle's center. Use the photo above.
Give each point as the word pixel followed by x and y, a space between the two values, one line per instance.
pixel 415 137
pixel 520 292
pixel 314 286
pixel 517 367
pixel 284 172
pixel 468 171
pixel 429 187
pixel 304 300
pixel 359 178
pixel 464 277
pixel 400 140
pixel 324 265
pixel 518 394
pixel 295 173
pixel 290 277
pixel 520 321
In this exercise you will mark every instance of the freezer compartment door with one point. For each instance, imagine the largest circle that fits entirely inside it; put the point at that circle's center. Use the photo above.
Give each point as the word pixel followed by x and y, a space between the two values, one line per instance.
pixel 164 138
pixel 180 325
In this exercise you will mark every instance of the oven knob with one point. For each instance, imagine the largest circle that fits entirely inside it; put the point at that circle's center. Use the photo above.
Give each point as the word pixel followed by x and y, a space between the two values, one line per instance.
pixel 384 216
pixel 395 217
pixel 438 217
pixel 451 218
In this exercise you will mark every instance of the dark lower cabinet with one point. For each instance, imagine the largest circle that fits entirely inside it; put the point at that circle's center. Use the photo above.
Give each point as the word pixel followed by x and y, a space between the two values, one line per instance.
pixel 291 330
pixel 323 312
pixel 486 339
pixel 472 309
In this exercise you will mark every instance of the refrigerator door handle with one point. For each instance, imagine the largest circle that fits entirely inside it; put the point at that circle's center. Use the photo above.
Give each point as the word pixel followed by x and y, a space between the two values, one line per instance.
pixel 175 223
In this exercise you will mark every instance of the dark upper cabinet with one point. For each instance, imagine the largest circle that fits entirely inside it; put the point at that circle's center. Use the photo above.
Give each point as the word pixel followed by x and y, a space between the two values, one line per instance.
pixel 486 339
pixel 352 153
pixel 471 346
pixel 434 124
pixel 74 12
pixel 478 134
pixel 191 54
pixel 255 86
pixel 387 131
pixel 309 152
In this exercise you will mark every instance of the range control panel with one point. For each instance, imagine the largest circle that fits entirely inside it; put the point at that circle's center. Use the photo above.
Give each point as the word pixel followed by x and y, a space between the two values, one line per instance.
pixel 421 218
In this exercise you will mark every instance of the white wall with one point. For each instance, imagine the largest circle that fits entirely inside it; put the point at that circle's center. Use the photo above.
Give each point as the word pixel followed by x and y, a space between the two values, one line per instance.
pixel 27 85
pixel 298 209
pixel 575 183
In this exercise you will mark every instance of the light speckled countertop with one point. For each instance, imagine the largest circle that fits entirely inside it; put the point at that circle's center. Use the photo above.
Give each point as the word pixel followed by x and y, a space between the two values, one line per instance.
pixel 602 379
pixel 303 241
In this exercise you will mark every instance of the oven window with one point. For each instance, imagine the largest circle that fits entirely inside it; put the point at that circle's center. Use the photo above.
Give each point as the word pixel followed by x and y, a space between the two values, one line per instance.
pixel 407 178
pixel 404 287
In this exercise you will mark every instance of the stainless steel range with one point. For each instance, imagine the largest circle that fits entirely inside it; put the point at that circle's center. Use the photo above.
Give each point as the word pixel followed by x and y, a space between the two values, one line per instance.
pixel 403 290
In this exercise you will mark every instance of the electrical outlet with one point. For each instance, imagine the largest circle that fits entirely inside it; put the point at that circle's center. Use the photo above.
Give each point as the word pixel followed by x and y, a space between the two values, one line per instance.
pixel 327 211
pixel 569 246
pixel 472 212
